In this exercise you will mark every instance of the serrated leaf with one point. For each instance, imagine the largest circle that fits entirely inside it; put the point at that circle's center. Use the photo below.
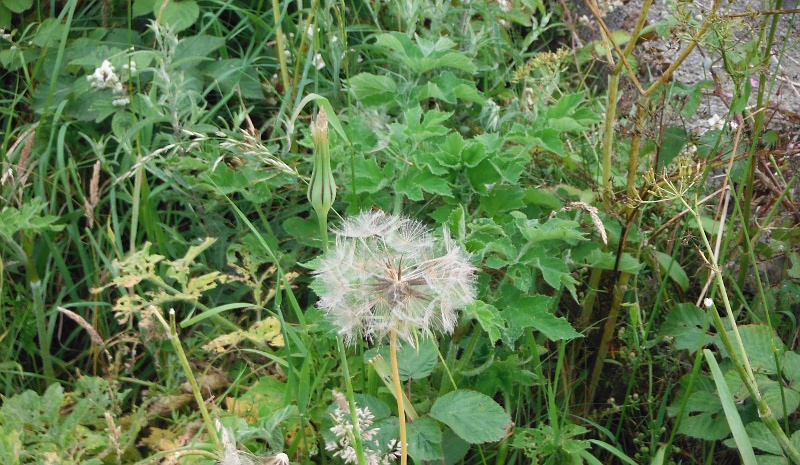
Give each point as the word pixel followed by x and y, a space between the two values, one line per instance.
pixel 759 340
pixel 473 416
pixel 365 85
pixel 424 440
pixel 29 218
pixel 686 324
pixel 488 317
pixel 533 312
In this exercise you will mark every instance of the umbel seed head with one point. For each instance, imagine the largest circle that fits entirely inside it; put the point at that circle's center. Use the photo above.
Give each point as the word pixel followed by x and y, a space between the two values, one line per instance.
pixel 389 274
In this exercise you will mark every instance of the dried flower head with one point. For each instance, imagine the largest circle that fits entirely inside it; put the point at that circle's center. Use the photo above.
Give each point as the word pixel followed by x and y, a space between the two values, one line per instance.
pixel 387 273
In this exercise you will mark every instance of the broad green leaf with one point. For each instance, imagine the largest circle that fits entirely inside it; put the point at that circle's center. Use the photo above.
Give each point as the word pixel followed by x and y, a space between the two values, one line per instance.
pixel 566 105
pixel 686 325
pixel 775 395
pixel 759 341
pixel 450 59
pixel 424 440
pixel 193 49
pixel 565 124
pixel 179 15
pixel 675 138
pixel 703 418
pixel 365 85
pixel 454 448
pixel 503 198
pixel 533 312
pixel 475 417
pixel 17 6
pixel 488 317
pixel 417 362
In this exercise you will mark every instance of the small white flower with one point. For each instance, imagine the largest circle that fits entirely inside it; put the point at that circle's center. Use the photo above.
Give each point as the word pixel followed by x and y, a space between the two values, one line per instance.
pixel 708 302
pixel 104 76
pixel 342 428
pixel 387 274
pixel 319 62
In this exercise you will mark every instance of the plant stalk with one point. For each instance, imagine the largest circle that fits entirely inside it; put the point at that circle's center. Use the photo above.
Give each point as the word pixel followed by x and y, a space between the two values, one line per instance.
pixel 398 388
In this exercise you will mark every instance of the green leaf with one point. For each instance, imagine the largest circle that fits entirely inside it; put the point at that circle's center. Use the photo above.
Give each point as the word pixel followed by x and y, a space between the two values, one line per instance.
pixel 17 6
pixel 675 138
pixel 417 362
pixel 731 413
pixel 565 124
pixel 179 15
pixel 676 272
pixel 488 317
pixel 761 438
pixel 424 440
pixel 687 325
pixel 552 229
pixel 28 218
pixel 533 312
pixel 503 198
pixel 367 85
pixel 759 340
pixel 475 417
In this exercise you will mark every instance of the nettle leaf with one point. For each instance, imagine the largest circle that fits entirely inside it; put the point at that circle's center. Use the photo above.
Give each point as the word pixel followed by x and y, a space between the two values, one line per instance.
pixel 475 417
pixel 488 317
pixel 425 440
pixel 686 324
pixel 367 85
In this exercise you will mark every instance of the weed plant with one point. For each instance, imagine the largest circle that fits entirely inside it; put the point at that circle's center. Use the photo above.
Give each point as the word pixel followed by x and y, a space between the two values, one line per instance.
pixel 375 232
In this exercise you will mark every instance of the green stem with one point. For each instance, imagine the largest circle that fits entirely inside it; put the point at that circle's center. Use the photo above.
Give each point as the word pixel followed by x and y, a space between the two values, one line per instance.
pixel 398 389
pixel 172 331
pixel 276 13
pixel 359 447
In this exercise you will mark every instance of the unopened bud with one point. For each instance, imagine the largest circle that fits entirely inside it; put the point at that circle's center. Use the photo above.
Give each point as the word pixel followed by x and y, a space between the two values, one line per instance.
pixel 322 189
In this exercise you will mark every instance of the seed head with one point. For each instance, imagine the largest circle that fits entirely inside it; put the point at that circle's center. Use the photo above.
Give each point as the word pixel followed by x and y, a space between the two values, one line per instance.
pixel 387 273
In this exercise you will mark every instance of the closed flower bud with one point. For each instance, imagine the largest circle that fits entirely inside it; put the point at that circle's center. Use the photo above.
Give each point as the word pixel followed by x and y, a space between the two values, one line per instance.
pixel 322 189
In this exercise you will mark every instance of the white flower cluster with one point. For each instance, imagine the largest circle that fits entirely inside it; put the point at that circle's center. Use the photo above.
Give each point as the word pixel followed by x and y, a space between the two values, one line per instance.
pixel 7 36
pixel 343 430
pixel 105 77
pixel 387 274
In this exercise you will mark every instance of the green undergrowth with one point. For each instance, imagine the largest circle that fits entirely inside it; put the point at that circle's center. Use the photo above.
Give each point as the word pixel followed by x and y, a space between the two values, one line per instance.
pixel 637 274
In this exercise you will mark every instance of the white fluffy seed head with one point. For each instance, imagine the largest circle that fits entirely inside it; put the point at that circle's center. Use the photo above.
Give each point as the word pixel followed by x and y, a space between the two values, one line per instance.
pixel 387 273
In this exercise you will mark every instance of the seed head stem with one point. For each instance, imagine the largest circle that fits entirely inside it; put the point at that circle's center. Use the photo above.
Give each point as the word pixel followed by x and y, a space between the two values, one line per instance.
pixel 398 394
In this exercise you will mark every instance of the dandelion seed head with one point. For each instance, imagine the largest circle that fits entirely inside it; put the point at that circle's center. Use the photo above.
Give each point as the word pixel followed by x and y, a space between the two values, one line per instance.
pixel 387 273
